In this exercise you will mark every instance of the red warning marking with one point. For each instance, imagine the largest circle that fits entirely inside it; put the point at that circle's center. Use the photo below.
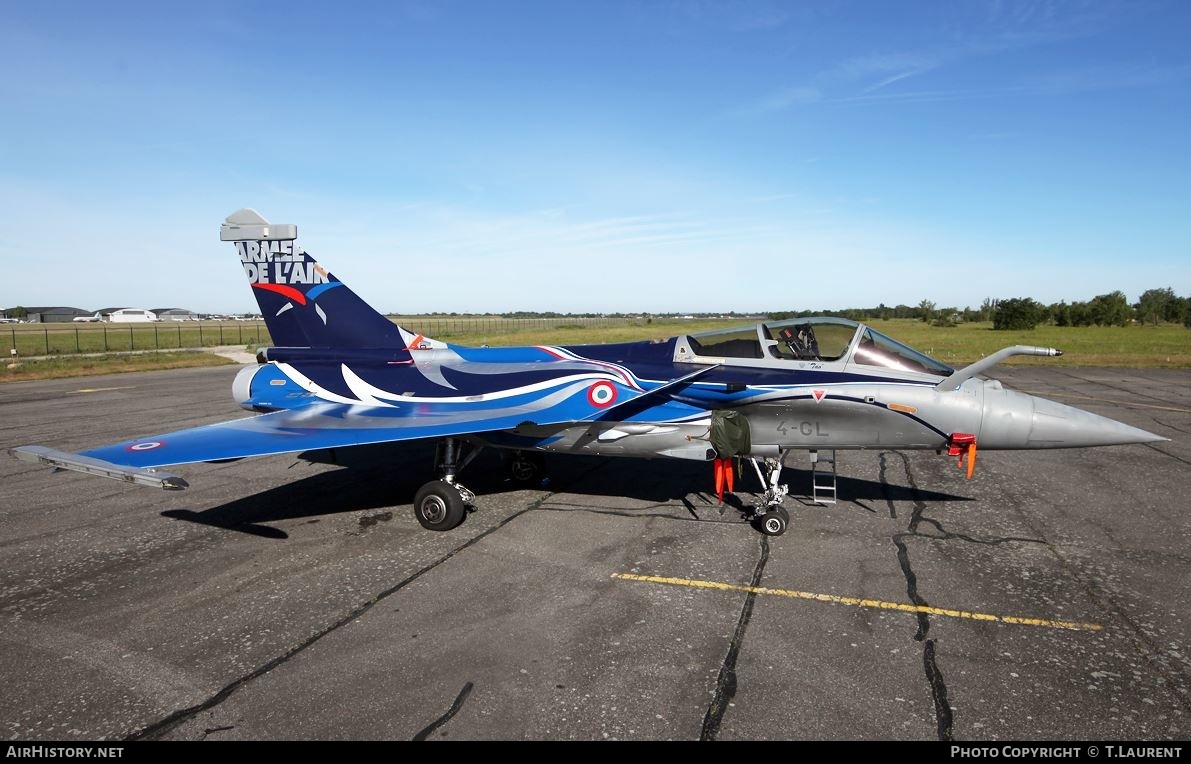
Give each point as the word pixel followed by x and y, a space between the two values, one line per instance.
pixel 819 394
pixel 283 290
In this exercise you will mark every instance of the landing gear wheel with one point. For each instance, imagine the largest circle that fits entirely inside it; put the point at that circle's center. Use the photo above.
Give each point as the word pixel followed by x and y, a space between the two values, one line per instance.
pixel 774 522
pixel 439 506
pixel 524 468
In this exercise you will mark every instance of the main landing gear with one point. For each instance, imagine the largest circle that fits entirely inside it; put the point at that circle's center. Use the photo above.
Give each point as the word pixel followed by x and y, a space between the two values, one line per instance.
pixel 441 504
pixel 769 516
pixel 524 467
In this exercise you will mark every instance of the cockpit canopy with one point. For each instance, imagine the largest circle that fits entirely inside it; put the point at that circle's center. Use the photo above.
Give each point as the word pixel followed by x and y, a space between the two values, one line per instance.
pixel 820 339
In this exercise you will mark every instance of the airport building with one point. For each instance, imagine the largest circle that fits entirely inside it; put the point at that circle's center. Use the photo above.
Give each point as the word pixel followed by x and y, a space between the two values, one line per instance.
pixel 175 314
pixel 130 316
pixel 53 315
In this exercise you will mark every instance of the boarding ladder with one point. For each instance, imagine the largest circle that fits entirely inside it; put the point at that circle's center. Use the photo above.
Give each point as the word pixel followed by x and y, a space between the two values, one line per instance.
pixel 823 477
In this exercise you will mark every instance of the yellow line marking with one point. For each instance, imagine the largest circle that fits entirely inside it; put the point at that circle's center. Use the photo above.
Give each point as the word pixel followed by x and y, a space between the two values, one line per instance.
pixel 1124 404
pixel 856 602
pixel 101 389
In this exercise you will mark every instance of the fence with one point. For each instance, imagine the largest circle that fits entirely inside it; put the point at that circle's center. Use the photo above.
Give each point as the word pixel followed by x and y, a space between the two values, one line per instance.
pixel 64 339
pixel 442 327
pixel 55 339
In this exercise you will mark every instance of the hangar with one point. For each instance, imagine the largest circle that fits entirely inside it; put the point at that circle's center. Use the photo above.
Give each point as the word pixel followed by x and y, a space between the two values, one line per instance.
pixel 53 315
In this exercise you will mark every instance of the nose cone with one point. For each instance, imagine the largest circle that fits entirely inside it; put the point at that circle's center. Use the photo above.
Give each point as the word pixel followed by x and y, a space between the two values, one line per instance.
pixel 1017 420
pixel 1057 426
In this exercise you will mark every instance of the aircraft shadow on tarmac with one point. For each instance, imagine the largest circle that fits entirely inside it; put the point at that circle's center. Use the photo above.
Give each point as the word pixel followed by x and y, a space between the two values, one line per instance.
pixel 385 476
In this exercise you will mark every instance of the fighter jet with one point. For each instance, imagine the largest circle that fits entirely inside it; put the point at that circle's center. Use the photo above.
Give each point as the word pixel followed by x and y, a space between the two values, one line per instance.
pixel 340 374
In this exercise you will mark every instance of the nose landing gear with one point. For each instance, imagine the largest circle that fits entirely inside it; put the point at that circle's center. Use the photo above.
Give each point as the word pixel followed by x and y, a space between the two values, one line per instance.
pixel 769 516
pixel 774 521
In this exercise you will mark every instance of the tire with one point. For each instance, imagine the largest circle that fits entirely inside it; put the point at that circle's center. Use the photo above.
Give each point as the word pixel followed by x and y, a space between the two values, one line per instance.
pixel 524 468
pixel 773 523
pixel 438 506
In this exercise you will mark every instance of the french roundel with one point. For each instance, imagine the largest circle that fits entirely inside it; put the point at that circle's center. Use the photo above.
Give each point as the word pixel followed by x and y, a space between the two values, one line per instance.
pixel 602 394
pixel 146 446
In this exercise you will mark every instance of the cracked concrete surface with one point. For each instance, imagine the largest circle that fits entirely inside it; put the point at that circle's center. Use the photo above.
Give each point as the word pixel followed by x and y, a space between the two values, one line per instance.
pixel 287 598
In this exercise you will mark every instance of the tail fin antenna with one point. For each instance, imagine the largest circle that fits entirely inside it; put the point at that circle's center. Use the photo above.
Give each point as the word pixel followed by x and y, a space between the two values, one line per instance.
pixel 302 303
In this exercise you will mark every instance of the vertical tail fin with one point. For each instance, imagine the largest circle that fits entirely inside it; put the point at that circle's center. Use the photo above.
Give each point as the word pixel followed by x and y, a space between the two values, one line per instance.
pixel 302 303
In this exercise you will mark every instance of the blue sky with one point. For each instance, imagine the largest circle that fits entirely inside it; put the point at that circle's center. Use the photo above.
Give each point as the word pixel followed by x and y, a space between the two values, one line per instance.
pixel 599 156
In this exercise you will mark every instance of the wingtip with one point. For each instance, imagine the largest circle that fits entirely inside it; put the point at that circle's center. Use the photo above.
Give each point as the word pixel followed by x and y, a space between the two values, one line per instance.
pixel 174 483
pixel 60 460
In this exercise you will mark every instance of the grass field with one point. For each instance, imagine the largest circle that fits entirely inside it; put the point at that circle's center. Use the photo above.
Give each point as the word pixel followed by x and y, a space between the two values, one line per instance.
pixel 82 366
pixel 561 331
pixel 1166 346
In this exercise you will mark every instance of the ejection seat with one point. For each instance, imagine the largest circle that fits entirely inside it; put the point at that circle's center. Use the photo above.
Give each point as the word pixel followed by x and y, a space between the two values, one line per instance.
pixel 801 341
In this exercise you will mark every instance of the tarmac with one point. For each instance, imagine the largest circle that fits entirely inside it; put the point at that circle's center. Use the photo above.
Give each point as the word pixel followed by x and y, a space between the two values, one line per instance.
pixel 291 598
pixel 235 353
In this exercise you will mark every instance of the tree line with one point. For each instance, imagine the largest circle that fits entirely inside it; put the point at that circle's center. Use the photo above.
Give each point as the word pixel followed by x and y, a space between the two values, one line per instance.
pixel 1155 306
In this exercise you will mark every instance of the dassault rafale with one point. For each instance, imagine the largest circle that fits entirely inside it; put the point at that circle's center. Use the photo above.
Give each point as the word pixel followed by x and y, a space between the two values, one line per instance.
pixel 340 374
